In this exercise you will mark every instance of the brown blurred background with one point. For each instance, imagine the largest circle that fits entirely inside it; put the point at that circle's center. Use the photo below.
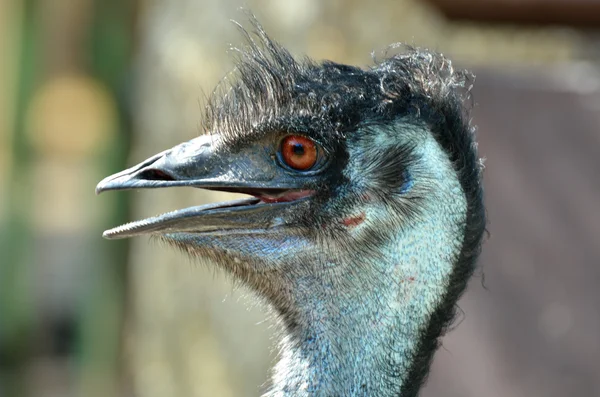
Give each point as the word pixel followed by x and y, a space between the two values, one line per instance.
pixel 90 86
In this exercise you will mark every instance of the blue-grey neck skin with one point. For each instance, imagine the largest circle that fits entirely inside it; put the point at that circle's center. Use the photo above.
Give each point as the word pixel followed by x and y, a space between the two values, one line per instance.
pixel 354 306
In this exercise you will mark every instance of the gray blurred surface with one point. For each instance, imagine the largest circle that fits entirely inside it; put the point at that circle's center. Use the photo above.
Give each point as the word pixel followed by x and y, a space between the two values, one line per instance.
pixel 536 330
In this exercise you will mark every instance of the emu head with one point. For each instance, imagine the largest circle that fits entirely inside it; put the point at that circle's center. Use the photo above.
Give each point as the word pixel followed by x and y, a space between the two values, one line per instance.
pixel 336 159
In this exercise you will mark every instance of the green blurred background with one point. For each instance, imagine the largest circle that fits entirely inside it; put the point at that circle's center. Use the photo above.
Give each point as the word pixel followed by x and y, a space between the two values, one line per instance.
pixel 88 87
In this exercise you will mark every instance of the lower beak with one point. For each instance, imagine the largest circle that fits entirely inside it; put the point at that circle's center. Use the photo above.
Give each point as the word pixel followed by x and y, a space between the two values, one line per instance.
pixel 196 164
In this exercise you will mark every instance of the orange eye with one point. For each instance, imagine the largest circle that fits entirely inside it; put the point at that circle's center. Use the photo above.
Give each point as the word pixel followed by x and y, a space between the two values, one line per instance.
pixel 298 152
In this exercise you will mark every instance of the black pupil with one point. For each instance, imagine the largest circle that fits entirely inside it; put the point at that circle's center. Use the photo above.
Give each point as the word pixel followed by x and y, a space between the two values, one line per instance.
pixel 298 149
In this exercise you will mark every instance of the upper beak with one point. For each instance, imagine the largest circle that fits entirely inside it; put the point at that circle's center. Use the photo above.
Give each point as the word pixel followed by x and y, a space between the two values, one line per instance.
pixel 198 164
pixel 192 163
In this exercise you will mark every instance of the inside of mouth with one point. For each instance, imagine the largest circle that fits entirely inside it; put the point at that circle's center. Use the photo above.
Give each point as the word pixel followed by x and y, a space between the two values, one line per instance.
pixel 287 196
pixel 266 196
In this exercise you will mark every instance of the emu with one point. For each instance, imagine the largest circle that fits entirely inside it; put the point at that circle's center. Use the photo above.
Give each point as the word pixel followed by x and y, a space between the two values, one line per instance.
pixel 365 216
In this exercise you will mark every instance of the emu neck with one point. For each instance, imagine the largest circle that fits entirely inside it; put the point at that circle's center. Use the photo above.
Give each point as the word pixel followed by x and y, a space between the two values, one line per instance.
pixel 355 324
pixel 359 325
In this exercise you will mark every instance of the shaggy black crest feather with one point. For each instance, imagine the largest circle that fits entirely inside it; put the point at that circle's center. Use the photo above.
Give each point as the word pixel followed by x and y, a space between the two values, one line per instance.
pixel 275 91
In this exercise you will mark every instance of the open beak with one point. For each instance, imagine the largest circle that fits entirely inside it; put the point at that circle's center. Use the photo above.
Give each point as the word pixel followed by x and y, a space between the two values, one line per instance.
pixel 199 164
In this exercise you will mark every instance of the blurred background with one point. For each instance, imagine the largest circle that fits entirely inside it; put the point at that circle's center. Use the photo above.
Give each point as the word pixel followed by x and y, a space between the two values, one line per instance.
pixel 88 87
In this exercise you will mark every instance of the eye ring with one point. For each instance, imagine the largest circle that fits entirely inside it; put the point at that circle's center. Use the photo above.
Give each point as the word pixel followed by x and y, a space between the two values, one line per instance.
pixel 298 153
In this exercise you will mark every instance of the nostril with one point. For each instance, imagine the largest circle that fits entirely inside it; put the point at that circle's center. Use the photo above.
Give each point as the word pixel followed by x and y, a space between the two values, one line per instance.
pixel 155 175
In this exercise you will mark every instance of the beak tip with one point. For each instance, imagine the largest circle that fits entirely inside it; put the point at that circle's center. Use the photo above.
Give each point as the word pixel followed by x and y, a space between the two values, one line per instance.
pixel 111 235
pixel 104 184
pixel 112 182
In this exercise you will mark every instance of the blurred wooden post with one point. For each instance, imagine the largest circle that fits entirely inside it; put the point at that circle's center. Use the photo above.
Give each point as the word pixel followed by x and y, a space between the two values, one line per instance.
pixel 110 47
